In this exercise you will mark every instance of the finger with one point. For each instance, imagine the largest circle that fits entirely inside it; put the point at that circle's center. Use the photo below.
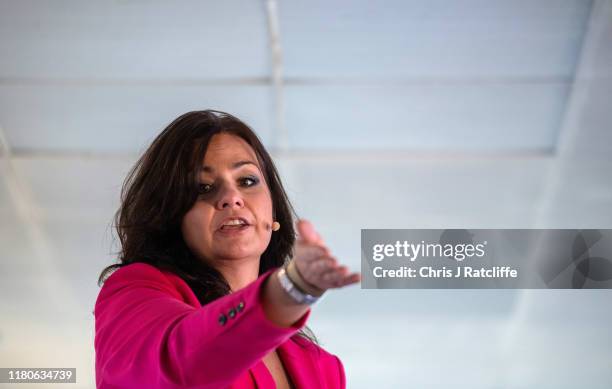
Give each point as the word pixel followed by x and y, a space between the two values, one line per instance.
pixel 332 278
pixel 350 279
pixel 307 231
pixel 340 278
pixel 333 275
pixel 308 253
pixel 344 273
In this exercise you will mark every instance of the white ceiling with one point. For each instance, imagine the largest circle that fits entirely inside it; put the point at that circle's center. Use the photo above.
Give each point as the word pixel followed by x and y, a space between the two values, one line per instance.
pixel 425 75
pixel 127 40
pixel 432 39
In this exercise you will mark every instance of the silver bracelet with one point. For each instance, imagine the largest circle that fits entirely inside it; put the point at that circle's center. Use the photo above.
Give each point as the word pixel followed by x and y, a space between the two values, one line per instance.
pixel 296 294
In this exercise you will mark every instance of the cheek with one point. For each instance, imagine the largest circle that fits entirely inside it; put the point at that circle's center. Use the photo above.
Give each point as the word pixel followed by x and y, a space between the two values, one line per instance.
pixel 194 226
pixel 265 209
pixel 268 215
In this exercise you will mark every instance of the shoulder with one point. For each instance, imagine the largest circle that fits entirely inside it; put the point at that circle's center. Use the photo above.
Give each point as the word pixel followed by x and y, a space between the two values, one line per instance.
pixel 142 277
pixel 138 270
pixel 135 274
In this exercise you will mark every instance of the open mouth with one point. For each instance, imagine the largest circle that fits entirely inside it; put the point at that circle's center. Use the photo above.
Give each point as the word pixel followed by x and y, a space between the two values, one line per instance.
pixel 234 224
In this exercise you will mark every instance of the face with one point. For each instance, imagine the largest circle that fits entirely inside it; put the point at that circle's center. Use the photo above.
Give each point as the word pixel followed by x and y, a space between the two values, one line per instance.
pixel 232 217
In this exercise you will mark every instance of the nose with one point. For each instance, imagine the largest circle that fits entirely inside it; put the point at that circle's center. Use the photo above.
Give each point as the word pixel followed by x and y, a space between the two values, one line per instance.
pixel 229 198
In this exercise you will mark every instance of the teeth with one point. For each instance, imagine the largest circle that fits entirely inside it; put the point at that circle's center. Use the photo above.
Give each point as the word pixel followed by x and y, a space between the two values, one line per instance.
pixel 234 222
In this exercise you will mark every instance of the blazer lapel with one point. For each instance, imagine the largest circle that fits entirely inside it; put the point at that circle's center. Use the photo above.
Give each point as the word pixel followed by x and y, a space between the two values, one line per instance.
pixel 301 364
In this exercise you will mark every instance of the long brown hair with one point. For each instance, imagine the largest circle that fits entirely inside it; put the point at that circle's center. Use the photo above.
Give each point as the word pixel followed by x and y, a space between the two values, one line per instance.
pixel 162 186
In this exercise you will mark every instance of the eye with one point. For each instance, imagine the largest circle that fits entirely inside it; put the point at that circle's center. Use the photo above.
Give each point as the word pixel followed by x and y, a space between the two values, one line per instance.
pixel 249 181
pixel 204 188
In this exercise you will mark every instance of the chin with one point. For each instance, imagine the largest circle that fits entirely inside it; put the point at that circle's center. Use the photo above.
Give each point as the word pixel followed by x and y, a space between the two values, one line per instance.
pixel 239 254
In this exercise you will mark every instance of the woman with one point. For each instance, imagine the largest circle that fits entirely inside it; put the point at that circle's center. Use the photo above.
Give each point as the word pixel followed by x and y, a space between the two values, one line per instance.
pixel 212 289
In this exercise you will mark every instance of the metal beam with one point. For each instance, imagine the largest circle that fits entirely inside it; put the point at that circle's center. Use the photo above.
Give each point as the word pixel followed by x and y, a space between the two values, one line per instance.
pixel 276 53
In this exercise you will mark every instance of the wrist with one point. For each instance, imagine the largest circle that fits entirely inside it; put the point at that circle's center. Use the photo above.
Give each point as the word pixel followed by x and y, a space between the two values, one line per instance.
pixel 292 290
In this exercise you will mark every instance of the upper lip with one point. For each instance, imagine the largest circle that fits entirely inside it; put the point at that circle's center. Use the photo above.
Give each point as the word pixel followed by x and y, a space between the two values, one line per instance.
pixel 227 219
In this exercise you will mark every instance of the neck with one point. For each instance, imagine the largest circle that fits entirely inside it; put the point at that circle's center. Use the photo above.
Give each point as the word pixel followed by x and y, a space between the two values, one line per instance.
pixel 238 272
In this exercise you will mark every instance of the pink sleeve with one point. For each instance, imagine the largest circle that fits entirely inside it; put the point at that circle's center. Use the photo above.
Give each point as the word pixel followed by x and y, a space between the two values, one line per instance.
pixel 342 374
pixel 147 336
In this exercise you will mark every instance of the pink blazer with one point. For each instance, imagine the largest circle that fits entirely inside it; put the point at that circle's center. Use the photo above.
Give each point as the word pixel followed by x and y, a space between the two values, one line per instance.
pixel 152 332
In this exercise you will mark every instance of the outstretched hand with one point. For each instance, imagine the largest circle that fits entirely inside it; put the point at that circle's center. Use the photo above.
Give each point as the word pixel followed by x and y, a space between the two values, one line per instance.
pixel 315 263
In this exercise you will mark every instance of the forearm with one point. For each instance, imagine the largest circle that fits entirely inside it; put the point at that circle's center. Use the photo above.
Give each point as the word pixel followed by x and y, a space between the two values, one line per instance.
pixel 278 306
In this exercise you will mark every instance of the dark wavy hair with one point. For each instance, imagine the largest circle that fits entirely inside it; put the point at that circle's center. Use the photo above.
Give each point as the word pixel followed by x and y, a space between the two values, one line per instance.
pixel 162 186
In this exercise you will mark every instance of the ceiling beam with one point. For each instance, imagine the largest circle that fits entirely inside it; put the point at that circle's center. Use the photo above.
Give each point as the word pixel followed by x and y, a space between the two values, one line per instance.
pixel 598 30
pixel 53 285
pixel 276 54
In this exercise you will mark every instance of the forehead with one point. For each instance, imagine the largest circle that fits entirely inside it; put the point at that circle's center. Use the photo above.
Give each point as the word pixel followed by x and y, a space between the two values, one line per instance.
pixel 225 150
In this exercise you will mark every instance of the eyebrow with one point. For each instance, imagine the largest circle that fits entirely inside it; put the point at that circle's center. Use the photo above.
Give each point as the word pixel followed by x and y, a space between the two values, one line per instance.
pixel 235 165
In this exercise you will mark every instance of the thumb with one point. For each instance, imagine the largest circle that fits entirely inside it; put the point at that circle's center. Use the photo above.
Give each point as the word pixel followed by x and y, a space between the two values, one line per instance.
pixel 307 231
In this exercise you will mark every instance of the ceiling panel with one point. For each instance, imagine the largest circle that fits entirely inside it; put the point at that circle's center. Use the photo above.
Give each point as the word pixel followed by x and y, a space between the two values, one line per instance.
pixel 582 197
pixel 133 39
pixel 74 188
pixel 344 196
pixel 117 118
pixel 597 56
pixel 439 39
pixel 498 117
